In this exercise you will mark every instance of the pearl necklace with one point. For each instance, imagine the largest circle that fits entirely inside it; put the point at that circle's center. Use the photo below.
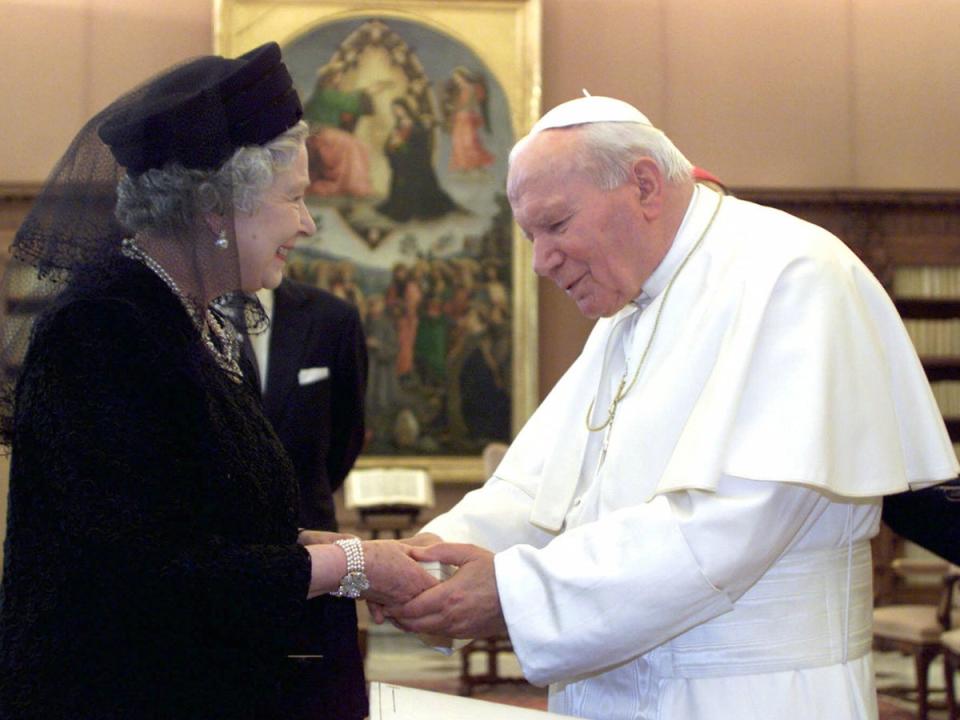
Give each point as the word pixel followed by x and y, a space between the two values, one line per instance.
pixel 225 358
pixel 623 388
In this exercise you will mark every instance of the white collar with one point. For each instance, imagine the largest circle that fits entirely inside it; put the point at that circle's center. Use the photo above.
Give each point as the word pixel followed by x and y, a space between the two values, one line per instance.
pixel 265 296
pixel 694 220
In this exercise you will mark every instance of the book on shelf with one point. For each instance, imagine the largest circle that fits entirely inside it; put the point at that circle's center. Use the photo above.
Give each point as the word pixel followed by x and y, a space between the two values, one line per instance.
pixel 927 281
pixel 934 338
pixel 376 487
pixel 395 702
pixel 947 395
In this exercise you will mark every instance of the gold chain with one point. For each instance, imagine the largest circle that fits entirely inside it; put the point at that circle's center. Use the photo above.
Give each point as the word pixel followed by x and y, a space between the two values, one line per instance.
pixel 621 390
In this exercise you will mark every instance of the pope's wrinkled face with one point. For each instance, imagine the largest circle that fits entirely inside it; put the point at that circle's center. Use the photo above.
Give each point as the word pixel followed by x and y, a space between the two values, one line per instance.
pixel 265 236
pixel 588 241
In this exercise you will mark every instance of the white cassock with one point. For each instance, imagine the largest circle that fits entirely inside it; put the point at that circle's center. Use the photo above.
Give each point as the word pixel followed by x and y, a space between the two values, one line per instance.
pixel 715 563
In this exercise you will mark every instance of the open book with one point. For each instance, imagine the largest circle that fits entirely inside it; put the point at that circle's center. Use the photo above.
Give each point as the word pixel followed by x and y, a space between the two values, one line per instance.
pixel 388 486
pixel 394 702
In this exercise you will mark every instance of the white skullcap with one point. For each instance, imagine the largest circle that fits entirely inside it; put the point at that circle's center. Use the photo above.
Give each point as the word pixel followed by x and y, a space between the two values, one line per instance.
pixel 590 109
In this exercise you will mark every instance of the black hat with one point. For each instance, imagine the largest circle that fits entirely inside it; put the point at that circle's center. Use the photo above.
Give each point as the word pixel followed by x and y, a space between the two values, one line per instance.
pixel 200 113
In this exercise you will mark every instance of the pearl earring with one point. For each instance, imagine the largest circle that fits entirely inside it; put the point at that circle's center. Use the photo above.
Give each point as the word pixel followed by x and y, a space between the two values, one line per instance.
pixel 221 242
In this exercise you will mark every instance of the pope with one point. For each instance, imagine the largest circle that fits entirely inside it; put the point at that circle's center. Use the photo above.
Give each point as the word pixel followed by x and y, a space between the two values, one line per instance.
pixel 682 528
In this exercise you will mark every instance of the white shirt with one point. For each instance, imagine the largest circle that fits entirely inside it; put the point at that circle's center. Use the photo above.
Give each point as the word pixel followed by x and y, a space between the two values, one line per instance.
pixel 261 341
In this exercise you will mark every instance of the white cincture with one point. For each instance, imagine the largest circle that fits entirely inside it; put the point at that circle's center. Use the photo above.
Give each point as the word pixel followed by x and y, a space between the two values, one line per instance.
pixel 810 609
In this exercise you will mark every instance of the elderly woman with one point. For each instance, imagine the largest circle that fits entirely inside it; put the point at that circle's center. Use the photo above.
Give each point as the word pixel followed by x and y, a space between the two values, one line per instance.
pixel 154 567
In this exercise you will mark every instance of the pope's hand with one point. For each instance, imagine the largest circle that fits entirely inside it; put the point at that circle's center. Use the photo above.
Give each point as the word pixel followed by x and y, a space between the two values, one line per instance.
pixel 465 606
pixel 395 576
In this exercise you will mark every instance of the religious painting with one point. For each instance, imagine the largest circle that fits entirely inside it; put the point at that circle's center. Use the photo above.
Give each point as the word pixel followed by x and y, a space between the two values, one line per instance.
pixel 412 109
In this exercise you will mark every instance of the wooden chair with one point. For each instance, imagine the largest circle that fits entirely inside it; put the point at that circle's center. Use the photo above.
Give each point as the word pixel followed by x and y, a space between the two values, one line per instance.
pixel 951 662
pixel 491 647
pixel 492 455
pixel 917 629
pixel 950 641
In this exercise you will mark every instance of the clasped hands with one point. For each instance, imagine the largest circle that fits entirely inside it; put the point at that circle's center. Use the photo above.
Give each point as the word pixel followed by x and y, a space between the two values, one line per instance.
pixel 464 606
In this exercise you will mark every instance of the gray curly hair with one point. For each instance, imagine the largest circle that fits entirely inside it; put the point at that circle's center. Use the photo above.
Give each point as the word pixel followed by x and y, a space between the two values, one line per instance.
pixel 174 198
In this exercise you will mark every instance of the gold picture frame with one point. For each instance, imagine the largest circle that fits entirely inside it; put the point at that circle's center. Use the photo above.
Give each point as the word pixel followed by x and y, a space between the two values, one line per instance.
pixel 413 107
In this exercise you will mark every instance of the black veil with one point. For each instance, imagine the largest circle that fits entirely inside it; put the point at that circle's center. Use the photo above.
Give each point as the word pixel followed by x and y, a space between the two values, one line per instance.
pixel 196 114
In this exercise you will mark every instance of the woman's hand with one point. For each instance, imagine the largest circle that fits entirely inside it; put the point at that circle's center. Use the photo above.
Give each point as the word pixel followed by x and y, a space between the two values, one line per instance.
pixel 395 577
pixel 320 537
pixel 420 540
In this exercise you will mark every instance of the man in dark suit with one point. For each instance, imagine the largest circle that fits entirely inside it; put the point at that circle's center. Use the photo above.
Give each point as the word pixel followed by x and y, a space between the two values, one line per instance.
pixel 312 364
pixel 313 380
pixel 928 517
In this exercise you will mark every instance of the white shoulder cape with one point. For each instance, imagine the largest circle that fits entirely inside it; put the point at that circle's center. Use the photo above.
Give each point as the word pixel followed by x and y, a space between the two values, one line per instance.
pixel 778 357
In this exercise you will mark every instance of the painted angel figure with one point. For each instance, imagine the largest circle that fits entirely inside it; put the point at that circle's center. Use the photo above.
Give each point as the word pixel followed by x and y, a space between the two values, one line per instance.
pixel 466 111
pixel 339 161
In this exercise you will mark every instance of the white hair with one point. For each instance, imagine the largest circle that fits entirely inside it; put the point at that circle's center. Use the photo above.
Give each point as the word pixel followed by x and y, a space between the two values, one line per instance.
pixel 608 150
pixel 175 198
pixel 253 168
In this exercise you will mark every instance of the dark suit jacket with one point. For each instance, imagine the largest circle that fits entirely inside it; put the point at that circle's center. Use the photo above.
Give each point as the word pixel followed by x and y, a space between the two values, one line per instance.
pixel 929 517
pixel 321 423
pixel 321 426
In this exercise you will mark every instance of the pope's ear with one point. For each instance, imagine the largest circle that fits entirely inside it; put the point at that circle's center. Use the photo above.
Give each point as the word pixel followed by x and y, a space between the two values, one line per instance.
pixel 648 180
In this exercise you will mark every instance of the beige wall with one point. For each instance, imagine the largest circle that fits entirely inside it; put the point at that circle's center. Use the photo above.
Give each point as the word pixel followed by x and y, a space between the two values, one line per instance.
pixel 788 93
pixel 65 59
pixel 809 93
pixel 775 93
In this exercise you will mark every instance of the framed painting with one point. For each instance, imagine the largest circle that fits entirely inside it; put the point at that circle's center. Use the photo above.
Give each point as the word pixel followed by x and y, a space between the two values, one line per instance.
pixel 413 106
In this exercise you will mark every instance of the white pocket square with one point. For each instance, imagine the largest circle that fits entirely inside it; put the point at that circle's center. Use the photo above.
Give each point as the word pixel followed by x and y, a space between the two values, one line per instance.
pixel 312 375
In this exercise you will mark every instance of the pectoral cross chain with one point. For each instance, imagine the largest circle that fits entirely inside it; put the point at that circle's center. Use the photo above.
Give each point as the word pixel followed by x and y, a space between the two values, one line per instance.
pixel 611 414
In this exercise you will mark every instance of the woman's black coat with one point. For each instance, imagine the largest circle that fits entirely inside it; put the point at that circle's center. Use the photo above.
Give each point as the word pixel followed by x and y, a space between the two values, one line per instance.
pixel 151 563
